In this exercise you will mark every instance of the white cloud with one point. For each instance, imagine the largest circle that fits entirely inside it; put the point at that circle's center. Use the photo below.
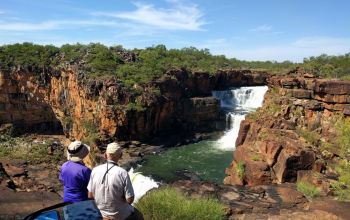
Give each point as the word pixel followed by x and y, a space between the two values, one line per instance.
pixel 51 25
pixel 262 28
pixel 178 17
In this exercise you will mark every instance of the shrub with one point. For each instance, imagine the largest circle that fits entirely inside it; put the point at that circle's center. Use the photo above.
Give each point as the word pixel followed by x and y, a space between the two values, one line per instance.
pixel 240 169
pixel 342 187
pixel 166 203
pixel 308 189
pixel 135 106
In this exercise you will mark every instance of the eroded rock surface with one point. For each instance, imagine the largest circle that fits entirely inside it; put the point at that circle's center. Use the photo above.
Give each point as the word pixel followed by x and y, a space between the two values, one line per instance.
pixel 281 141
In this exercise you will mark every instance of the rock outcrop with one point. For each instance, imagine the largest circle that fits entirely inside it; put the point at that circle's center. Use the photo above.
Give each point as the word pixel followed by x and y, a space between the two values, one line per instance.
pixel 281 141
pixel 177 102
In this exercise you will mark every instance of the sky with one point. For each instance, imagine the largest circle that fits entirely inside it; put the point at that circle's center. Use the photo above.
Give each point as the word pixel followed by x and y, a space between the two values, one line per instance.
pixel 274 30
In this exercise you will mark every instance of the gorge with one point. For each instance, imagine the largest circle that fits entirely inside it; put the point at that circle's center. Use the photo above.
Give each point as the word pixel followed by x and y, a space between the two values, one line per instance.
pixel 279 143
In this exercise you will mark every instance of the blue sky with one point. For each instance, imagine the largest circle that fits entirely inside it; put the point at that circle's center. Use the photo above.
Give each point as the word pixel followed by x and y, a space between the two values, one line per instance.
pixel 250 30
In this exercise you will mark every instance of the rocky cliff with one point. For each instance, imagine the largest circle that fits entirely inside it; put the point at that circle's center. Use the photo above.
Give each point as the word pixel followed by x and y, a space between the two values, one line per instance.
pixel 65 100
pixel 286 140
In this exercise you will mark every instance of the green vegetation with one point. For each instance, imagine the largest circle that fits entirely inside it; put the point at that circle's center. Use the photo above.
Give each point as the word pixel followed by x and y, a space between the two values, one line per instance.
pixel 91 132
pixel 24 148
pixel 138 66
pixel 308 189
pixel 312 137
pixel 329 66
pixel 240 169
pixel 166 203
pixel 255 157
pixel 342 187
pixel 91 136
pixel 135 106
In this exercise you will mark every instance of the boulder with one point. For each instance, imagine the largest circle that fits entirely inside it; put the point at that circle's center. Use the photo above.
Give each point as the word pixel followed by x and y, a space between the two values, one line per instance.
pixel 269 151
pixel 290 160
pixel 256 173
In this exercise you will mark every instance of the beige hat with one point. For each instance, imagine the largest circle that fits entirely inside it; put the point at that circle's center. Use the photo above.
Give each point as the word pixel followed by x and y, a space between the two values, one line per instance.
pixel 113 148
pixel 77 151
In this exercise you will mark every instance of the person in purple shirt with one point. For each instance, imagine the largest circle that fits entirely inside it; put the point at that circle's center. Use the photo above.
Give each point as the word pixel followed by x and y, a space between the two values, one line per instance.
pixel 74 174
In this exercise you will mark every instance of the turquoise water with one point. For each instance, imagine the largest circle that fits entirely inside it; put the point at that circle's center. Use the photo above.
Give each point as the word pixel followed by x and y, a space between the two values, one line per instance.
pixel 204 158
pixel 207 159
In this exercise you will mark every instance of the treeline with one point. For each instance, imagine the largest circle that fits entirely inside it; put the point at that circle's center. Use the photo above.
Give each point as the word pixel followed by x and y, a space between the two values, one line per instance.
pixel 329 66
pixel 142 65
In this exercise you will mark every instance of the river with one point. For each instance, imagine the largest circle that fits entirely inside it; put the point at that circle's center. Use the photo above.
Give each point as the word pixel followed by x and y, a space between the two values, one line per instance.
pixel 207 159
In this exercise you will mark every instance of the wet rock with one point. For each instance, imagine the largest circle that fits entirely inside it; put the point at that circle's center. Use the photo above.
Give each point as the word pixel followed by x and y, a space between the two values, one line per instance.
pixel 187 175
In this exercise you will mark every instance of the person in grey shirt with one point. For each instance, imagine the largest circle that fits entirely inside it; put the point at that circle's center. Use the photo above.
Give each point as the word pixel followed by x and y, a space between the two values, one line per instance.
pixel 111 188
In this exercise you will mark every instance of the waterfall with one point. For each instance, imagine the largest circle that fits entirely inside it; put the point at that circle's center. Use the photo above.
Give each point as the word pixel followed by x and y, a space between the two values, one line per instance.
pixel 237 103
pixel 141 184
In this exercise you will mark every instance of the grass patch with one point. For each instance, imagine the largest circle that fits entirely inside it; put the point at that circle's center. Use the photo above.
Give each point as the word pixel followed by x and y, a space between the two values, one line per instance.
pixel 255 157
pixel 25 149
pixel 308 189
pixel 166 203
pixel 342 187
pixel 311 137
pixel 240 169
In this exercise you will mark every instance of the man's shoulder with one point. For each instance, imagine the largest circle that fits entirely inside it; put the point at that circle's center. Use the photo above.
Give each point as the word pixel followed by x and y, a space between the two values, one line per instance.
pixel 65 164
pixel 99 167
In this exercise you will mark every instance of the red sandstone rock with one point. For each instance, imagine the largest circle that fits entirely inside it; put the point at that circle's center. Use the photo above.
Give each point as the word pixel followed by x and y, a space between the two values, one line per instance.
pixel 290 160
pixel 270 151
pixel 243 131
pixel 257 173
pixel 233 177
pixel 302 93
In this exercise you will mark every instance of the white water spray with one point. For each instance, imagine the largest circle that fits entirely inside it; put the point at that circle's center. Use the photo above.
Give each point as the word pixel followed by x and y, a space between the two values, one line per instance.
pixel 141 184
pixel 238 102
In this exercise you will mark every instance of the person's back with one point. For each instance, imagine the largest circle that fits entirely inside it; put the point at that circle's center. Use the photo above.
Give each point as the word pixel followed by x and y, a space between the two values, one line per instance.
pixel 111 187
pixel 110 190
pixel 74 174
pixel 75 178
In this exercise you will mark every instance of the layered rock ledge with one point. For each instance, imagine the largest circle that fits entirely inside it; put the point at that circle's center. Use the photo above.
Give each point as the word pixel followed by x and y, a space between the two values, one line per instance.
pixel 281 142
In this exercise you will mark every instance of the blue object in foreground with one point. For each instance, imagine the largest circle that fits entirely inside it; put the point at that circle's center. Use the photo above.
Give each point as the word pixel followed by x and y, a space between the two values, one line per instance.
pixel 50 215
pixel 82 210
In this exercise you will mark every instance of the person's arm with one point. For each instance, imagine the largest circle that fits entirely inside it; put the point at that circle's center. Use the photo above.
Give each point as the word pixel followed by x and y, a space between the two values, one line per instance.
pixel 130 200
pixel 129 190
pixel 90 195
pixel 89 188
pixel 60 177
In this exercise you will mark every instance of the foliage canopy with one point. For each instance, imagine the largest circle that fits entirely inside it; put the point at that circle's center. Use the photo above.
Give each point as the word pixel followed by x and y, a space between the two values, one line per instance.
pixel 137 66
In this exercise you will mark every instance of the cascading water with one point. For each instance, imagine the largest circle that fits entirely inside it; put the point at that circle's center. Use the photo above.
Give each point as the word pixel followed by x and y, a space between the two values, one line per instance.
pixel 237 103
pixel 141 184
pixel 207 159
